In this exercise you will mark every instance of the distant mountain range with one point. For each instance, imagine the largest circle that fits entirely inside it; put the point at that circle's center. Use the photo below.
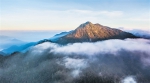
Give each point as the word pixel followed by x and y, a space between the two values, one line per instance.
pixel 89 32
pixel 6 41
pixel 21 48
pixel 140 33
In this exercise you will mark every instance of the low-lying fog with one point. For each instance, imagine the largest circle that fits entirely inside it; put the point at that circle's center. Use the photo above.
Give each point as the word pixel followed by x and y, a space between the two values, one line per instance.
pixel 110 61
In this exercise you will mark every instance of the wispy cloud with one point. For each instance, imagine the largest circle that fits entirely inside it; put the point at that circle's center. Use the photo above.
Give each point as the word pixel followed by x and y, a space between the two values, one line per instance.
pixel 69 19
pixel 48 19
pixel 99 13
pixel 47 14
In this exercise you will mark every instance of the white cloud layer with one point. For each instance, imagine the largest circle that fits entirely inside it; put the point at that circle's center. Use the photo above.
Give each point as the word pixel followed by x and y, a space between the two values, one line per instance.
pixel 103 61
pixel 109 46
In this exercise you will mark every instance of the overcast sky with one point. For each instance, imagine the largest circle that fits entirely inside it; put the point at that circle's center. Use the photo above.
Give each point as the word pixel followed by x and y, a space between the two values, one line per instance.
pixel 69 14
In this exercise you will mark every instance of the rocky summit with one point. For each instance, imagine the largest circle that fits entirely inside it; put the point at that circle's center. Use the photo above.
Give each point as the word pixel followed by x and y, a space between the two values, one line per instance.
pixel 89 32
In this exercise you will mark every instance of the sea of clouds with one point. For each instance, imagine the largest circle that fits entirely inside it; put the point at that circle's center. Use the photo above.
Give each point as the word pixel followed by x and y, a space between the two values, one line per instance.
pixel 110 61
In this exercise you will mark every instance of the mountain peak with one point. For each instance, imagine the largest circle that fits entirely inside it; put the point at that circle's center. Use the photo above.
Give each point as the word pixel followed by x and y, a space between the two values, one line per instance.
pixel 88 32
pixel 85 24
pixel 88 22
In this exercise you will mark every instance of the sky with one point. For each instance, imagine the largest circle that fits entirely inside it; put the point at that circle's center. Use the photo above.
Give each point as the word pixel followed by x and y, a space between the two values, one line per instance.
pixel 69 14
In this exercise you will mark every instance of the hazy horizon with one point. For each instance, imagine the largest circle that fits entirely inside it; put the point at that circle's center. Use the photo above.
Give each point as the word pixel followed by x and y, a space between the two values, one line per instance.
pixel 30 35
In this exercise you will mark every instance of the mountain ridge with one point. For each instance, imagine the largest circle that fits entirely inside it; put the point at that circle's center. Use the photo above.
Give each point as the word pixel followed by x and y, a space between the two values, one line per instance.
pixel 86 32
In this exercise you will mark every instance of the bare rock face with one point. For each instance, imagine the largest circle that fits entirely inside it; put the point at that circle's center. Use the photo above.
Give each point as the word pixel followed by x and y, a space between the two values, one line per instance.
pixel 88 32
